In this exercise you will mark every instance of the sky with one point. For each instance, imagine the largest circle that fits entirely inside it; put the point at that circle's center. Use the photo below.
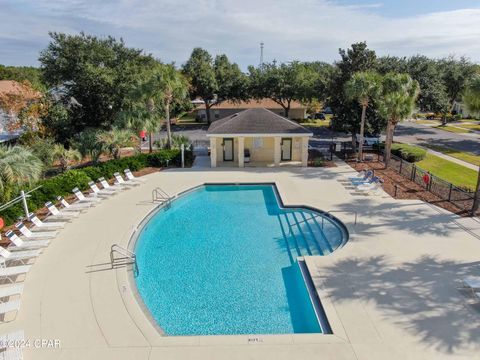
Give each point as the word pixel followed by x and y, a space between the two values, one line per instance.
pixel 304 30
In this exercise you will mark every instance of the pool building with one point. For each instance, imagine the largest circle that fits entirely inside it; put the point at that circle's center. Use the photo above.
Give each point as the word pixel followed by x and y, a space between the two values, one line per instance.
pixel 257 137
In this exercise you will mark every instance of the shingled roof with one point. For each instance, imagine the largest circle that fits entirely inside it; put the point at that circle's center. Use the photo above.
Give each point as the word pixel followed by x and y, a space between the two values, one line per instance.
pixel 256 121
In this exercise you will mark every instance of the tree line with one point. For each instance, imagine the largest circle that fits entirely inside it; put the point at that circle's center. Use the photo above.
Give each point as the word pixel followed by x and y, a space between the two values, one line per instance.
pixel 99 91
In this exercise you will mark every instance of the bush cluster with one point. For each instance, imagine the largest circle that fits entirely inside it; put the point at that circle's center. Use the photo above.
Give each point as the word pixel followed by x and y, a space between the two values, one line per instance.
pixel 62 185
pixel 408 152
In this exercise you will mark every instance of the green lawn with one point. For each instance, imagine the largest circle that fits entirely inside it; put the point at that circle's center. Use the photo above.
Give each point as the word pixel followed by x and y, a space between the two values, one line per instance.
pixel 456 174
pixel 461 155
pixel 453 129
pixel 470 126
pixel 427 122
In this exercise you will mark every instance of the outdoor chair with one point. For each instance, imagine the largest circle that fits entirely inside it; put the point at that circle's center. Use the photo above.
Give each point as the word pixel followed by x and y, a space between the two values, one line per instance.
pixel 11 272
pixel 91 199
pixel 132 178
pixel 35 235
pixel 18 243
pixel 57 214
pixel 78 206
pixel 45 225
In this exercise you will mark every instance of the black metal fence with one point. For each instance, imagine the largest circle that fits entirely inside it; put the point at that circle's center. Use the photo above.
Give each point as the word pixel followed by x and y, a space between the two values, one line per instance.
pixel 461 198
pixel 323 149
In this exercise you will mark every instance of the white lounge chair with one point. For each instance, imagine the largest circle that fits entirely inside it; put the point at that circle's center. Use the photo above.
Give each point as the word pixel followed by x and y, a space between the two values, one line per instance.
pixel 57 214
pixel 6 307
pixel 11 272
pixel 21 256
pixel 132 178
pixel 472 283
pixel 10 290
pixel 120 181
pixel 45 225
pixel 97 191
pixel 107 186
pixel 92 198
pixel 25 244
pixel 8 352
pixel 35 235
pixel 77 206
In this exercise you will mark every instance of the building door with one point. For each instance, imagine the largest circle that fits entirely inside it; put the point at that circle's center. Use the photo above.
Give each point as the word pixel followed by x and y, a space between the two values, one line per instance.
pixel 228 149
pixel 286 149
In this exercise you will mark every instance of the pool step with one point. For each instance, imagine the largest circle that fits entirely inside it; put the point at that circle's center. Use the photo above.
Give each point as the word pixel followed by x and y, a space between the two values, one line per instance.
pixel 303 235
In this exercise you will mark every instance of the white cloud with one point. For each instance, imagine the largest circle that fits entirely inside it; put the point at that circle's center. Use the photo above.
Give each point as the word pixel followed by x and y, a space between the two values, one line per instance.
pixel 301 29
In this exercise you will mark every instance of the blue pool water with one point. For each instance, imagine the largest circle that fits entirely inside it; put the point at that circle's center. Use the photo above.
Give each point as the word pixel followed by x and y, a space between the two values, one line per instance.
pixel 222 260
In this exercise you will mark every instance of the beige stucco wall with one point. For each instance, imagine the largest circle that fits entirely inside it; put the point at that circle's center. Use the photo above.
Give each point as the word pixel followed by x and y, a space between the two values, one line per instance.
pixel 265 153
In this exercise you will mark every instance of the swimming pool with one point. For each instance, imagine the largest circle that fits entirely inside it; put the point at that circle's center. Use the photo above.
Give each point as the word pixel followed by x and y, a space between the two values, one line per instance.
pixel 222 260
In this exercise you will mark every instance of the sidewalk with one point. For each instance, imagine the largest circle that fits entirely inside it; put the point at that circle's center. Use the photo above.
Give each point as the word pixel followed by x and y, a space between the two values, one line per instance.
pixel 453 159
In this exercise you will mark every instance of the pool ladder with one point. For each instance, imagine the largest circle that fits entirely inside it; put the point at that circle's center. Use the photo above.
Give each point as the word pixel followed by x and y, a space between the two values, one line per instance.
pixel 161 196
pixel 124 257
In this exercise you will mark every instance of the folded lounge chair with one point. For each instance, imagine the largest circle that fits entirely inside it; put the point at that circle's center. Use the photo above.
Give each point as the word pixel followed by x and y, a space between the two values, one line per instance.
pixel 21 256
pixel 35 235
pixel 132 178
pixel 120 181
pixel 57 214
pixel 78 206
pixel 45 225
pixel 99 192
pixel 25 244
pixel 11 272
pixel 92 198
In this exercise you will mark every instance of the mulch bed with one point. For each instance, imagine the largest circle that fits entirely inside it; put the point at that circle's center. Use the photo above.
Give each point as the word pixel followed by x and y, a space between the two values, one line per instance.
pixel 406 189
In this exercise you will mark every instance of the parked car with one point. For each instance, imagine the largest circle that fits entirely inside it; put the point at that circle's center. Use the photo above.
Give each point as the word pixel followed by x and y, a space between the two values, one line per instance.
pixel 369 139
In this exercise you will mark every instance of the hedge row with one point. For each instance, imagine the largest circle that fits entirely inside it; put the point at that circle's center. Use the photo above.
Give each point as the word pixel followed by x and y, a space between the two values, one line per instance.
pixel 62 185
pixel 408 152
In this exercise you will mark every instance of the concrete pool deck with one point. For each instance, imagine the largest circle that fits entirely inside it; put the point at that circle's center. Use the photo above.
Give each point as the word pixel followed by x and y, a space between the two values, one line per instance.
pixel 391 291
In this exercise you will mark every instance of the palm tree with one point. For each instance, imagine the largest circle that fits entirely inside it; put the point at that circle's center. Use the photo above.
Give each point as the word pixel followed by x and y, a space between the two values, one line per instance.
pixel 471 98
pixel 154 94
pixel 396 103
pixel 363 87
pixel 66 156
pixel 175 87
pixel 116 139
pixel 18 167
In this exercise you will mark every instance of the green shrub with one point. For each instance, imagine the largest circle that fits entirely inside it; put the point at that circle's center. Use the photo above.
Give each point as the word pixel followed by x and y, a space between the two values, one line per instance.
pixel 318 162
pixel 164 157
pixel 408 152
pixel 63 184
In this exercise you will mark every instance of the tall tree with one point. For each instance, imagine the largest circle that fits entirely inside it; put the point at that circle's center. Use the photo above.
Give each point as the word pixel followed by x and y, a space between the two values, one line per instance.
pixel 174 88
pixel 471 98
pixel 455 75
pixel 427 72
pixel 346 116
pixel 284 83
pixel 22 74
pixel 363 87
pixel 156 95
pixel 396 103
pixel 214 81
pixel 97 72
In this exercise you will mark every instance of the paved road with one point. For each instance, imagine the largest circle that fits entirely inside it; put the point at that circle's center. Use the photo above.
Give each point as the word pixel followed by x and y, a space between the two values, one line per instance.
pixel 417 134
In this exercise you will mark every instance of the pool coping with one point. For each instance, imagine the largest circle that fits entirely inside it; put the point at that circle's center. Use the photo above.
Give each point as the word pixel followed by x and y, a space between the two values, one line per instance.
pixel 155 335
